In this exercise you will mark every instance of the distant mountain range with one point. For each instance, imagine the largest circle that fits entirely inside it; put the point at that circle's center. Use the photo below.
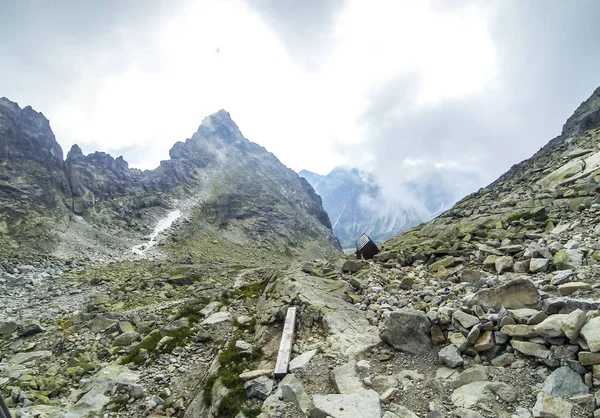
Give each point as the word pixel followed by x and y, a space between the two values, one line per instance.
pixel 356 205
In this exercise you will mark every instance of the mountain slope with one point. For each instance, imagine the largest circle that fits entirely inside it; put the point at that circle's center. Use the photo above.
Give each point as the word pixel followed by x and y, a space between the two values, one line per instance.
pixel 558 186
pixel 227 188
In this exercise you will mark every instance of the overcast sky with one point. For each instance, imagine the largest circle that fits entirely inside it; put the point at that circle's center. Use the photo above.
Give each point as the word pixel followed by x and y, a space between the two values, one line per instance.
pixel 395 86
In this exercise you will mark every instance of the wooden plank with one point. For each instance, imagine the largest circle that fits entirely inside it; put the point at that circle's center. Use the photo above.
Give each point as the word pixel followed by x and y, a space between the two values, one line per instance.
pixel 285 347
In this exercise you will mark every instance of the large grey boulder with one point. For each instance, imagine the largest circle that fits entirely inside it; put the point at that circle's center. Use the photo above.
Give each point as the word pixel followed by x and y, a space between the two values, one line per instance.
pixel 364 403
pixel 564 383
pixel 568 259
pixel 407 330
pixel 470 395
pixel 259 388
pixel 550 327
pixel 301 361
pixel 450 356
pixel 548 406
pixel 572 324
pixel 514 294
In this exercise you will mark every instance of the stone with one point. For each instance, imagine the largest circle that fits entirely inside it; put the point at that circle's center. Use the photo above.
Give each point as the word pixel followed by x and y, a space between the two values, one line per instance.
pixel 176 326
pixel 351 266
pixel 564 383
pixel 587 358
pixel 407 330
pixel 259 388
pixel 8 327
pixel 211 308
pixel 572 287
pixel 591 334
pixel 466 413
pixel 550 327
pixel 345 379
pixel 437 335
pixel 521 316
pixel 474 374
pixel 30 330
pixel 364 403
pixel 363 366
pixel 572 324
pixel 217 318
pixel 562 276
pixel 568 259
pixel 125 339
pixel 521 267
pixel 503 360
pixel 547 406
pixel 484 342
pixel 137 392
pixel 401 411
pixel 301 361
pixel 450 356
pixel 523 331
pixel 23 358
pixel 537 265
pixel 471 394
pixel 242 345
pixel 530 349
pixel 514 294
pixel 253 374
pixel 464 319
pixel 293 391
pixel 458 340
pixel 504 263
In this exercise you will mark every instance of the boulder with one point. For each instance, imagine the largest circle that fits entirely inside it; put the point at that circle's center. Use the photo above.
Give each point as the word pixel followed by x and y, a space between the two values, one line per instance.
pixel 530 349
pixel 450 356
pixel 259 388
pixel 22 358
pixel 351 266
pixel 550 327
pixel 564 383
pixel 293 391
pixel 345 379
pixel 464 319
pixel 547 406
pixel 537 265
pixel 364 403
pixel 474 374
pixel 407 330
pixel 125 339
pixel 514 294
pixel 485 341
pixel 568 259
pixel 572 324
pixel 217 318
pixel 591 334
pixel 504 263
pixel 572 287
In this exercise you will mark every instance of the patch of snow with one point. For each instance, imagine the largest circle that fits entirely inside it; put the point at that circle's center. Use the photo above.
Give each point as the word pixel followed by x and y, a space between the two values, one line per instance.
pixel 162 225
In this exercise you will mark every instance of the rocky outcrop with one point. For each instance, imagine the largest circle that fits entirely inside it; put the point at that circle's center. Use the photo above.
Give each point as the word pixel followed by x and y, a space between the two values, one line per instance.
pixel 226 186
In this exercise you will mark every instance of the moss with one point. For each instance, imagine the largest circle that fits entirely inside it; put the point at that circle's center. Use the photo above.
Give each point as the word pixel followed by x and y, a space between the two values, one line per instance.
pixel 192 310
pixel 250 290
pixel 149 343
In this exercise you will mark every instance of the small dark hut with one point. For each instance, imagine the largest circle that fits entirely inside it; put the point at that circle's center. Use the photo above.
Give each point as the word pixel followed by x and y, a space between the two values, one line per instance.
pixel 366 248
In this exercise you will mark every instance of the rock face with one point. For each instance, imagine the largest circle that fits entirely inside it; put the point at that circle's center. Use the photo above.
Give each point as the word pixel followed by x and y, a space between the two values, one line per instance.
pixel 32 181
pixel 227 187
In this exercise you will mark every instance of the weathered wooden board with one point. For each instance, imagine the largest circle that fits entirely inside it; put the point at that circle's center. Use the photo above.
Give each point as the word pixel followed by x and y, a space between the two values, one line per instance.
pixel 285 347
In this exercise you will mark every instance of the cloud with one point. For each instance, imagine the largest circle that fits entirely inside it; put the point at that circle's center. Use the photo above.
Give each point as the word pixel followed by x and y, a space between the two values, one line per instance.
pixel 399 87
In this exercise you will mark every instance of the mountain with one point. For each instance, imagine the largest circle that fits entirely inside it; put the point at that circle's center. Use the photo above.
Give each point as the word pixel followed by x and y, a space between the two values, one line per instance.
pixel 356 204
pixel 228 190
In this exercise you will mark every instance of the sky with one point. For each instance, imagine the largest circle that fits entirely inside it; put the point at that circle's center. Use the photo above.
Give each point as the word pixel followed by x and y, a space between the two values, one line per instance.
pixel 399 87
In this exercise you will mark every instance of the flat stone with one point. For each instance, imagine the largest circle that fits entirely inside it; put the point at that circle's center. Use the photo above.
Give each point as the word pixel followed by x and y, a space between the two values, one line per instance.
pixel 474 374
pixel 521 316
pixel 125 339
pixel 211 308
pixel 568 259
pixel 8 327
pixel 470 395
pixel 26 357
pixel 253 374
pixel 530 349
pixel 217 318
pixel 571 325
pixel 564 383
pixel 30 330
pixel 464 319
pixel 587 358
pixel 458 340
pixel 504 263
pixel 301 361
pixel 364 403
pixel 503 360
pixel 345 379
pixel 572 287
pixel 547 406
pixel 524 331
pixel 591 334
pixel 407 330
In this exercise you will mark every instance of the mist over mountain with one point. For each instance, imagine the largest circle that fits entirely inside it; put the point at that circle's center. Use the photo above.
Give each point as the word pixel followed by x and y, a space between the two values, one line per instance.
pixel 357 204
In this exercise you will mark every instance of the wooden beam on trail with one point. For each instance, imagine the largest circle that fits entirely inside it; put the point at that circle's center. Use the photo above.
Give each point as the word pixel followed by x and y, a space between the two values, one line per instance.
pixel 285 347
